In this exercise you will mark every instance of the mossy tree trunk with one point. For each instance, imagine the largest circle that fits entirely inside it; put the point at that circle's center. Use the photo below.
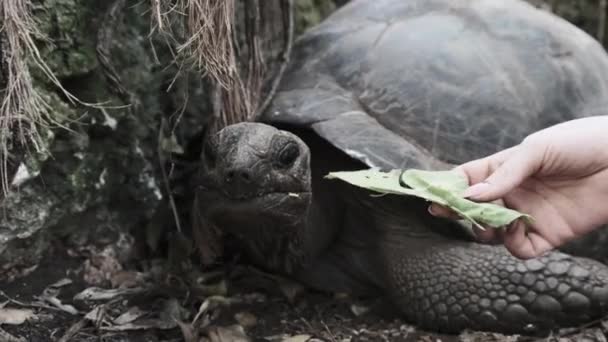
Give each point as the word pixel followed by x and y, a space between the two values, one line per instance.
pixel 101 180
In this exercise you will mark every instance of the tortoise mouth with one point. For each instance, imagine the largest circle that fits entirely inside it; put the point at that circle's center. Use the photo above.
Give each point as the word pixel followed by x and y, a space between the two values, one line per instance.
pixel 274 208
pixel 248 197
pixel 267 198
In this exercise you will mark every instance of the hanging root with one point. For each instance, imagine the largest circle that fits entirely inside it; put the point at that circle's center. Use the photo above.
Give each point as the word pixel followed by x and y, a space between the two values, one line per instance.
pixel 22 110
pixel 212 27
pixel 105 35
pixel 211 45
pixel 209 28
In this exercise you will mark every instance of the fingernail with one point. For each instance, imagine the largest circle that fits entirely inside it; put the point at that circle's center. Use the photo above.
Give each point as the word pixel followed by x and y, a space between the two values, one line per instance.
pixel 431 210
pixel 476 190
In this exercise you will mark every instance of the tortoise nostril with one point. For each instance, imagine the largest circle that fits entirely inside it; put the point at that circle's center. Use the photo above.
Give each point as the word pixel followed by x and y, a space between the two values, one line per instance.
pixel 230 176
pixel 243 176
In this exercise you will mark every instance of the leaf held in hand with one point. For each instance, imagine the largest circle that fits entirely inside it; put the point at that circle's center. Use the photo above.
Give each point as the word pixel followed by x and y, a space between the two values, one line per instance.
pixel 442 187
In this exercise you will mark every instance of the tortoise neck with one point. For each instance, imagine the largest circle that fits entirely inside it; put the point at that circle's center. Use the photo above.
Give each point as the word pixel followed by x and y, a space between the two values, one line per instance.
pixel 323 222
pixel 301 241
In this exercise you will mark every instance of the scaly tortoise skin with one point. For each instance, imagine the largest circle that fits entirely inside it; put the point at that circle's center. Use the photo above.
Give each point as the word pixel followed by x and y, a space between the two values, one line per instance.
pixel 409 84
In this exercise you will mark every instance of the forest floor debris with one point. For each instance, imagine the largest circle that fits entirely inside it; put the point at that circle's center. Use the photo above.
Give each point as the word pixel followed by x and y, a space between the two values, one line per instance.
pixel 232 303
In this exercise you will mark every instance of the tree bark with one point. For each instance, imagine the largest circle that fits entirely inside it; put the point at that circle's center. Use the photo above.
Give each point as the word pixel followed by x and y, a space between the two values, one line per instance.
pixel 102 179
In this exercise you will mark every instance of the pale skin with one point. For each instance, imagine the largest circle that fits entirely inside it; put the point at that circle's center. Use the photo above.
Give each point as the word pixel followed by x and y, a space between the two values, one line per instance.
pixel 558 175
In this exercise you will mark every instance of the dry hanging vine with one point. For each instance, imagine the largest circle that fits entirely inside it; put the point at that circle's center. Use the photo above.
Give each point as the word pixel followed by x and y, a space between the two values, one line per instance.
pixel 23 110
pixel 213 45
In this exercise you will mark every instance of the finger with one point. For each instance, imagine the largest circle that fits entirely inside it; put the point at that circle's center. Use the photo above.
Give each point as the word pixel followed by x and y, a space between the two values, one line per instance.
pixel 487 235
pixel 441 211
pixel 520 165
pixel 490 234
pixel 549 229
pixel 525 244
pixel 478 170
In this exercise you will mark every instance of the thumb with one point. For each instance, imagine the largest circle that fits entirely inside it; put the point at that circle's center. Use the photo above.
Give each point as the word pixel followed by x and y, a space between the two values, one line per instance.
pixel 520 165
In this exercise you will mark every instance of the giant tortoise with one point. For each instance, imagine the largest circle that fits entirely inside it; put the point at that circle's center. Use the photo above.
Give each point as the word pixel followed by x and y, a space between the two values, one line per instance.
pixel 421 84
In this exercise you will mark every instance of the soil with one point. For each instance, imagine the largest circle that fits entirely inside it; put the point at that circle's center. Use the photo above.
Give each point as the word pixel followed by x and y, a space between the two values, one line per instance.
pixel 254 307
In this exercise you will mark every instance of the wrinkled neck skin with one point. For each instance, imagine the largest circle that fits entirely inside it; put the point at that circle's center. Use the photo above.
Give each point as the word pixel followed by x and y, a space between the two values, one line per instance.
pixel 286 239
pixel 304 240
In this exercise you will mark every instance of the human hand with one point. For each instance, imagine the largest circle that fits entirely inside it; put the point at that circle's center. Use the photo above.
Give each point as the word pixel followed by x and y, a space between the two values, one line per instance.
pixel 558 175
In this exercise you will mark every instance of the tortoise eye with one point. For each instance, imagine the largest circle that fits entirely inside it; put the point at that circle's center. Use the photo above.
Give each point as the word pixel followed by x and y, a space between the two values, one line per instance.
pixel 288 155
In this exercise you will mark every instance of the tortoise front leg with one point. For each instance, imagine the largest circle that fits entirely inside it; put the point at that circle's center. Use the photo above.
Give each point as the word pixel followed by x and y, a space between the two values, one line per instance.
pixel 451 286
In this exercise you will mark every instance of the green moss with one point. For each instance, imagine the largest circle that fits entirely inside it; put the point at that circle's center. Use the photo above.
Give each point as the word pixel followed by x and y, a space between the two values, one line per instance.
pixel 311 12
pixel 66 23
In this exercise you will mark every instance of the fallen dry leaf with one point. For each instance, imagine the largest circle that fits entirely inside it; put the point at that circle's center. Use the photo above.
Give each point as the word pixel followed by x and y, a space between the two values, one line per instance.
pixel 143 324
pixel 96 293
pixel 173 310
pixel 233 333
pixel 358 310
pixel 246 319
pixel 212 303
pixel 341 295
pixel 129 316
pixel 125 279
pixel 478 336
pixel 50 295
pixel 14 316
pixel 297 338
pixel 188 332
pixel 96 315
pixel 218 289
pixel 61 283
pixel 290 288
pixel 6 337
pixel 56 302
pixel 206 277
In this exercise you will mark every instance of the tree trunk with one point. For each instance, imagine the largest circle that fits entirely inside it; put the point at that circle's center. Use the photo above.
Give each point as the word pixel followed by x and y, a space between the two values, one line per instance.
pixel 101 180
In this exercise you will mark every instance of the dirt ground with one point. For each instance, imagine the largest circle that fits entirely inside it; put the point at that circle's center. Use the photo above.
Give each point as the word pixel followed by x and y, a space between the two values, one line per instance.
pixel 230 303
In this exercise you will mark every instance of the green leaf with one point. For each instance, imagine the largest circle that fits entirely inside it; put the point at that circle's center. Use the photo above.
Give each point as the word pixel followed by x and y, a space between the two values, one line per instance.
pixel 442 187
pixel 450 181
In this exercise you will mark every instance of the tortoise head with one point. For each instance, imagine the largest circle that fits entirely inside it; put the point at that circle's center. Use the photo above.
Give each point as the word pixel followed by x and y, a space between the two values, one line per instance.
pixel 255 181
